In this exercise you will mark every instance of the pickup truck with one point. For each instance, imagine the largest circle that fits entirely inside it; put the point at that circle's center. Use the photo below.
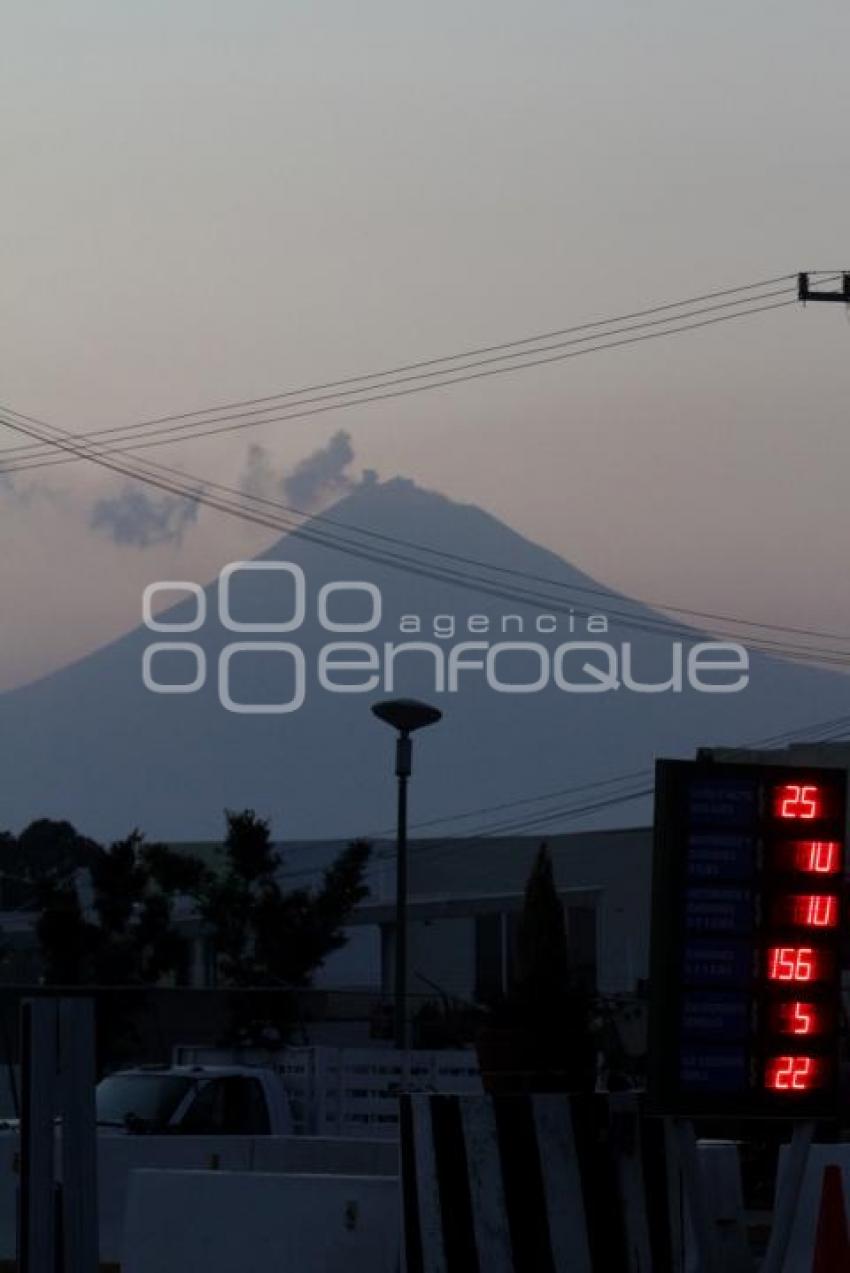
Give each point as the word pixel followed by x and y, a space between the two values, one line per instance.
pixel 194 1100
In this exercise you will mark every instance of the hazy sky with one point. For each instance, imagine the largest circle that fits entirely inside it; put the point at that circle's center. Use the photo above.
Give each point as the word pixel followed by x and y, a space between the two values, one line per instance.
pixel 209 201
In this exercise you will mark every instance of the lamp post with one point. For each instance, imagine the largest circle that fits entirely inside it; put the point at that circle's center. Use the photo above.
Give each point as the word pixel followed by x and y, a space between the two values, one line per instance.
pixel 405 715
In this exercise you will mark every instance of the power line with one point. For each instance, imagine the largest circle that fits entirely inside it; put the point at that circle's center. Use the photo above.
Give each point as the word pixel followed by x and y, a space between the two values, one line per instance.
pixel 526 800
pixel 647 623
pixel 342 401
pixel 573 587
pixel 839 726
pixel 811 734
pixel 73 454
pixel 177 430
pixel 497 568
pixel 98 457
pixel 551 815
pixel 423 364
pixel 149 474
pixel 75 449
pixel 834 727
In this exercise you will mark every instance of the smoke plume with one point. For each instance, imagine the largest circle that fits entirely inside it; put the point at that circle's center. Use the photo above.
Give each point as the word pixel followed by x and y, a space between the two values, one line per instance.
pixel 313 480
pixel 136 518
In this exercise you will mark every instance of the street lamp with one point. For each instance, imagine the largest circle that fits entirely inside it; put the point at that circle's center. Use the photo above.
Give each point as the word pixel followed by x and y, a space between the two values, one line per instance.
pixel 404 715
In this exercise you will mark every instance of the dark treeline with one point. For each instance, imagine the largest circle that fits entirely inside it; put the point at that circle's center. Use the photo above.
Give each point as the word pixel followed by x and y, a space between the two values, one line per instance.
pixel 108 915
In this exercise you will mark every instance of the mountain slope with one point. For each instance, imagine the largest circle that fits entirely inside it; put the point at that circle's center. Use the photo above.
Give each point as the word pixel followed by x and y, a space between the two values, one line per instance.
pixel 90 743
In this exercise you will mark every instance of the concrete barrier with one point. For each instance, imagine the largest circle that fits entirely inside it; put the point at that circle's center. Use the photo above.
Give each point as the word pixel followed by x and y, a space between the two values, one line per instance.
pixel 643 1166
pixel 221 1222
pixel 118 1156
pixel 508 1183
pixel 325 1155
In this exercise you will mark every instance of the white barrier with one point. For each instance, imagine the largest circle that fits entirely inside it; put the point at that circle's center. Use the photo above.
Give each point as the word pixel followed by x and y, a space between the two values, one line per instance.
pixel 224 1222
pixel 121 1155
pixel 720 1167
pixel 325 1155
pixel 507 1182
pixel 118 1156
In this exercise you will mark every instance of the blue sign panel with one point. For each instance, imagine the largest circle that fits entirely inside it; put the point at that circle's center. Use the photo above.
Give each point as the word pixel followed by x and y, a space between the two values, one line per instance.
pixel 717 963
pixel 713 855
pixel 707 1016
pixel 748 921
pixel 723 802
pixel 719 910
pixel 709 1071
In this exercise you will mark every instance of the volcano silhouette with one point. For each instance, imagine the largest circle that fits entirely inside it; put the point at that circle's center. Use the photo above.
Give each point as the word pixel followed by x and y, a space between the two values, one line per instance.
pixel 92 744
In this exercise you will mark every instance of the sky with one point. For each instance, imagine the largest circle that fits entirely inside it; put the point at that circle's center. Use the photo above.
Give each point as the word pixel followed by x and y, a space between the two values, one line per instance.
pixel 209 202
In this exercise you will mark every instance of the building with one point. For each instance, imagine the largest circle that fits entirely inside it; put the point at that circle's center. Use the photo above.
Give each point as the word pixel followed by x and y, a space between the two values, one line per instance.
pixel 465 895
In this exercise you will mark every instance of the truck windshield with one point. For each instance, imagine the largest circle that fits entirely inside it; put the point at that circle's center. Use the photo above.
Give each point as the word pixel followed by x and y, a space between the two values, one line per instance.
pixel 149 1098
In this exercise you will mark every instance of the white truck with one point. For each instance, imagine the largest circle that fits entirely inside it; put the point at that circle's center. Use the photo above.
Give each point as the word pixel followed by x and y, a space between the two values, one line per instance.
pixel 314 1091
pixel 194 1100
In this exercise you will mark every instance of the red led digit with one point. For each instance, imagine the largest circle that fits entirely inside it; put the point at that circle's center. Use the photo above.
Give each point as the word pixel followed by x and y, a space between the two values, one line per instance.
pixel 817 910
pixel 790 963
pixel 818 857
pixel 800 1018
pixel 806 910
pixel 807 857
pixel 798 801
pixel 793 1073
pixel 794 963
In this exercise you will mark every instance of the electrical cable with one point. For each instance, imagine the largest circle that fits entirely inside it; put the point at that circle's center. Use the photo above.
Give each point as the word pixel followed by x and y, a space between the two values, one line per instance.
pixel 421 365
pixel 131 468
pixel 226 425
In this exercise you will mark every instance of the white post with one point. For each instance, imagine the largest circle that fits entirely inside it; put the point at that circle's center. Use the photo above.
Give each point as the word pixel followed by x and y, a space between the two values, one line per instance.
pixel 79 1137
pixel 787 1199
pixel 695 1192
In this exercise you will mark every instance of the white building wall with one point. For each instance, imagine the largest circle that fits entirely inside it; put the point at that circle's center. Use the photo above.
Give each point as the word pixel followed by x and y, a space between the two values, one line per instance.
pixel 616 863
pixel 442 954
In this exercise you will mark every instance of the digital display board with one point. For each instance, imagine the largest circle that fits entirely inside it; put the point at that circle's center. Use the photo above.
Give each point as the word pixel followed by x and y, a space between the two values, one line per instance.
pixel 747 912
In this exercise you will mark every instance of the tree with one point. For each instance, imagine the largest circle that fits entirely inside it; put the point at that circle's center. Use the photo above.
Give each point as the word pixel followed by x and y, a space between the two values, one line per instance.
pixel 126 936
pixel 543 1024
pixel 48 845
pixel 44 848
pixel 111 924
pixel 267 936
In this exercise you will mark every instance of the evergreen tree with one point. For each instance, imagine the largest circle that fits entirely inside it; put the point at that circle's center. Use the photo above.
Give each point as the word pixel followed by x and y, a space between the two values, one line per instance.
pixel 550 1006
pixel 538 1036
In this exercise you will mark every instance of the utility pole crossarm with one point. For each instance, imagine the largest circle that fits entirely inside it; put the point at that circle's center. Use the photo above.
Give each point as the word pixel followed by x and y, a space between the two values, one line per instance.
pixel 805 293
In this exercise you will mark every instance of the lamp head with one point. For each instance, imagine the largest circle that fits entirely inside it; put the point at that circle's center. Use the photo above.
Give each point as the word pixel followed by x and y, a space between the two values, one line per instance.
pixel 406 714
